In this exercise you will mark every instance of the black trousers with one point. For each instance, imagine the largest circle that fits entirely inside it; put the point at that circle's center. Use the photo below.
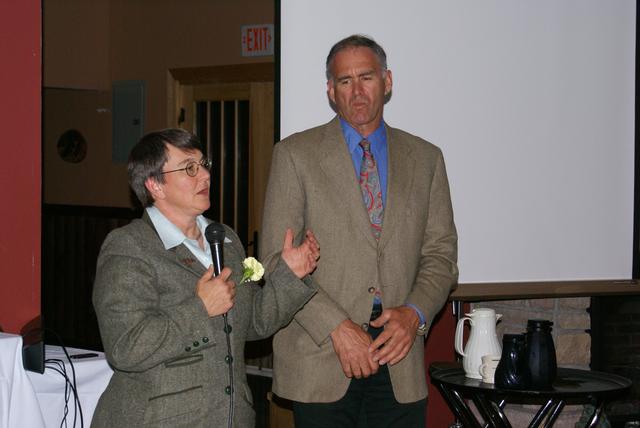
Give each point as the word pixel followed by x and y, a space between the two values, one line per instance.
pixel 368 403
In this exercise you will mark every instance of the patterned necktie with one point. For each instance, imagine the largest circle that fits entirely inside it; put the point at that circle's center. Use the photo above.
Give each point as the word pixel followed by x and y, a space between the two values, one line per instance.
pixel 370 186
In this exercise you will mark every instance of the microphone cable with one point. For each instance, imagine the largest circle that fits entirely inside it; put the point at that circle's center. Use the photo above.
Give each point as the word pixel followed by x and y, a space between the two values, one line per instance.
pixel 60 367
pixel 227 333
pixel 214 235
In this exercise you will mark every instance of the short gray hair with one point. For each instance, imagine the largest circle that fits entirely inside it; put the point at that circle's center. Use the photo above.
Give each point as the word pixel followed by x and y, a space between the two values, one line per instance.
pixel 356 41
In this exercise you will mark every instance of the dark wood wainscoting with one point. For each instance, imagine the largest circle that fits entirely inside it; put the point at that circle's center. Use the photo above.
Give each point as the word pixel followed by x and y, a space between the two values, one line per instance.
pixel 71 240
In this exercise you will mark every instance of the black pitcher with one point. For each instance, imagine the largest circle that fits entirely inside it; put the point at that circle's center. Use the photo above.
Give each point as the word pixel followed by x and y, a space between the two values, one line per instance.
pixel 512 371
pixel 541 354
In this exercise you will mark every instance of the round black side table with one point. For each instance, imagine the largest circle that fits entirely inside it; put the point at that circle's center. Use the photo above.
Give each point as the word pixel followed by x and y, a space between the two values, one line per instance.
pixel 572 386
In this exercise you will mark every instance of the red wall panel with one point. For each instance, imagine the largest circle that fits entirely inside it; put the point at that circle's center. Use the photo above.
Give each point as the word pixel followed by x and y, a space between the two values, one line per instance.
pixel 439 347
pixel 20 162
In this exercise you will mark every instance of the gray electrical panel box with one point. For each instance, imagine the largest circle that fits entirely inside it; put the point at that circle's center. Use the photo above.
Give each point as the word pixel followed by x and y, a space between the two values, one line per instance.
pixel 128 117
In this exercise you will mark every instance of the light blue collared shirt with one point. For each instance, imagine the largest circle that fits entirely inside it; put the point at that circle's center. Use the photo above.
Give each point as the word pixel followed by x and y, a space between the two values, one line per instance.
pixel 171 236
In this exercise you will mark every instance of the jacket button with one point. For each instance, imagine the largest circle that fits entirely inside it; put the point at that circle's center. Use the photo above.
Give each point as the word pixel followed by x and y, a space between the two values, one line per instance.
pixel 371 290
pixel 188 348
pixel 228 359
pixel 365 326
pixel 196 343
pixel 227 390
pixel 205 340
pixel 227 328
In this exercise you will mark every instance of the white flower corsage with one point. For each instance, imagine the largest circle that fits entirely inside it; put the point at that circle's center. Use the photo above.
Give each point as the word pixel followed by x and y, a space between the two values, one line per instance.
pixel 253 270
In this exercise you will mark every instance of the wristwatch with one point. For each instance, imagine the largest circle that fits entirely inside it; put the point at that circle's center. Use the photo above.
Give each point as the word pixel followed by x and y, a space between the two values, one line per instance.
pixel 422 329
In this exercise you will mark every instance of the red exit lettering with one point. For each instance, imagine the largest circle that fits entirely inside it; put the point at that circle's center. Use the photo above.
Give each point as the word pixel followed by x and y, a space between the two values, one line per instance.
pixel 257 39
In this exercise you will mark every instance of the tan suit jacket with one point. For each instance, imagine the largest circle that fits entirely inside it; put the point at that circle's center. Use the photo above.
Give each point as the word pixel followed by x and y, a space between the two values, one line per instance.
pixel 313 185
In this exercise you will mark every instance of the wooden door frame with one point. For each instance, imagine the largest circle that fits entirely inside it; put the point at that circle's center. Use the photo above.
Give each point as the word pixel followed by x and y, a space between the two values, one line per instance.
pixel 238 73
pixel 259 79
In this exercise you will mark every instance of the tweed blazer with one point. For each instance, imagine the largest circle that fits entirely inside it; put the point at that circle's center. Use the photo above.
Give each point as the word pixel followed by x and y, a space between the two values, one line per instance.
pixel 169 357
pixel 313 185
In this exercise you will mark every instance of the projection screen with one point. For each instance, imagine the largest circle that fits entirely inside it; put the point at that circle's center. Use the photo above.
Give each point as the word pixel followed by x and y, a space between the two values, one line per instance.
pixel 532 104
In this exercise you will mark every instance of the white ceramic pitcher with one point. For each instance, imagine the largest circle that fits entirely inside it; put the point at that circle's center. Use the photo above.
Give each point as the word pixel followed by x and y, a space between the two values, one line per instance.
pixel 482 340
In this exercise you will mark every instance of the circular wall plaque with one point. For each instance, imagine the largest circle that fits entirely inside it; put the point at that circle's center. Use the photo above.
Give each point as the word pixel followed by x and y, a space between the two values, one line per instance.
pixel 72 146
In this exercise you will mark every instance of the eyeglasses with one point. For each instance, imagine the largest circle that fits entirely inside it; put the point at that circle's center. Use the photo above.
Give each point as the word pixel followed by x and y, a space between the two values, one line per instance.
pixel 192 168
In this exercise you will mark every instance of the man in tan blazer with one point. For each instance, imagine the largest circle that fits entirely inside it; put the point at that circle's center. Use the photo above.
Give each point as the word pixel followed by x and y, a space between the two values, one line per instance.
pixel 340 360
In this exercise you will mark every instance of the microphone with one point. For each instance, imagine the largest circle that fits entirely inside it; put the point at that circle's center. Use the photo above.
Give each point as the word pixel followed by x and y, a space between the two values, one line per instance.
pixel 214 233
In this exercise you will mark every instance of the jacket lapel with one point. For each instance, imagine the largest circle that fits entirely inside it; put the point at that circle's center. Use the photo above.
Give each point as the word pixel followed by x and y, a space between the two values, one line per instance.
pixel 180 254
pixel 337 165
pixel 186 259
pixel 399 184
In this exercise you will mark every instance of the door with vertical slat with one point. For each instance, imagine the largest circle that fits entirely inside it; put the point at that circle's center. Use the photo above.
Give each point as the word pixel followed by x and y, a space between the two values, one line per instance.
pixel 234 121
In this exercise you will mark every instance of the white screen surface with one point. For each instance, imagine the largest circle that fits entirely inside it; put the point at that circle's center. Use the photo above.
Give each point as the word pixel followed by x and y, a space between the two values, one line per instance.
pixel 532 104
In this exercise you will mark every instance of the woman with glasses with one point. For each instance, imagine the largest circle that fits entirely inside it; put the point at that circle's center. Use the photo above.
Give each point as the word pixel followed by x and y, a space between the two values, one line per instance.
pixel 172 331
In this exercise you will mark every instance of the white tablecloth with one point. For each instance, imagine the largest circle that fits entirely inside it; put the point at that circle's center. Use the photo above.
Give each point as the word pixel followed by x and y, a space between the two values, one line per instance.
pixel 18 404
pixel 34 400
pixel 92 377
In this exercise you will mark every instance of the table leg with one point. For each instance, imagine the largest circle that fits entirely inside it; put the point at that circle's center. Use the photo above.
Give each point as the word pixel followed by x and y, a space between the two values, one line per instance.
pixel 500 405
pixel 541 414
pixel 457 404
pixel 599 408
pixel 491 412
pixel 554 414
pixel 466 415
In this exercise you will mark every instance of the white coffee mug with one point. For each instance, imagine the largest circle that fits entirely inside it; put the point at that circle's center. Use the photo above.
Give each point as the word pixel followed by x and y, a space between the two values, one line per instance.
pixel 488 367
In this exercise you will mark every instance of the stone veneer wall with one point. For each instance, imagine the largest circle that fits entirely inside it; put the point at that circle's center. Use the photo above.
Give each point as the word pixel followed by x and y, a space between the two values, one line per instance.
pixel 571 338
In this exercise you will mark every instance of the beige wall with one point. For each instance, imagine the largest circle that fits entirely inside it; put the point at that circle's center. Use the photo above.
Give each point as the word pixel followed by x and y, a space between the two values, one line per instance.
pixel 76 44
pixel 94 181
pixel 90 44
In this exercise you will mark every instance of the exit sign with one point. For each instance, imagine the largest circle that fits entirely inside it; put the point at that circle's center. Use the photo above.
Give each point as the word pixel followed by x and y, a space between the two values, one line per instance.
pixel 257 40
